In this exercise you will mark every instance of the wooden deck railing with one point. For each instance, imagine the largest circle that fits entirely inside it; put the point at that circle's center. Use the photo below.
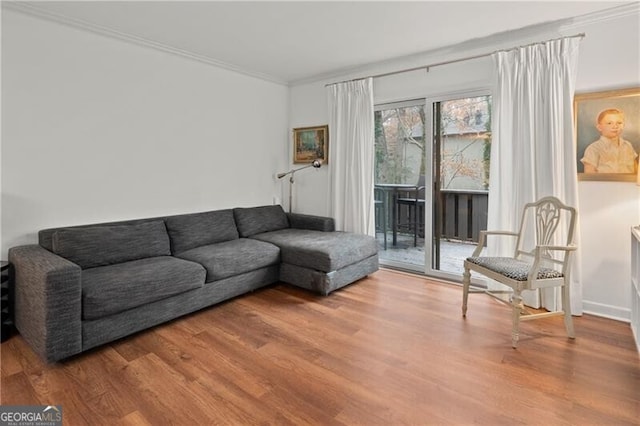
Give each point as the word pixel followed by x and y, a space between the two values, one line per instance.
pixel 464 214
pixel 461 216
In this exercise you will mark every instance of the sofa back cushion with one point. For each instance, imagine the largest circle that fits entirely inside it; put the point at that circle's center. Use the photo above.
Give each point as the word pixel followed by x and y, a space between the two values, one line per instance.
pixel 256 220
pixel 100 245
pixel 189 231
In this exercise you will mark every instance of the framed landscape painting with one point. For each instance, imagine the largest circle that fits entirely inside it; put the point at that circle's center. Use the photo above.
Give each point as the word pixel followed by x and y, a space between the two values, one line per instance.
pixel 607 128
pixel 310 143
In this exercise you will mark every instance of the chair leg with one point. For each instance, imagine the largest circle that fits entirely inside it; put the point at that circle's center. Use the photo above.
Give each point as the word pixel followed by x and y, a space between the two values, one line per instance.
pixel 466 281
pixel 516 309
pixel 566 307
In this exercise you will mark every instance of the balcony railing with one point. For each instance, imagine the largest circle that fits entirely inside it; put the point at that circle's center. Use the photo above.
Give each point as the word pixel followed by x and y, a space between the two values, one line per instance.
pixel 460 215
pixel 463 214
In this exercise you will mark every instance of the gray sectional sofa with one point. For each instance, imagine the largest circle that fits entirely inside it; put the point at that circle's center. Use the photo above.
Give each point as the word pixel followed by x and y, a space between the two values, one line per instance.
pixel 84 286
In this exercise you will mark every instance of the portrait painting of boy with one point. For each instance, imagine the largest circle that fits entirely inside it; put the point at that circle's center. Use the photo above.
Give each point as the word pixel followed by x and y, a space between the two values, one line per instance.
pixel 608 135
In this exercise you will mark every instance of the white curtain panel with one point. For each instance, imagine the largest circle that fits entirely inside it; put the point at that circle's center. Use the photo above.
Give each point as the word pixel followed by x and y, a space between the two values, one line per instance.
pixel 533 153
pixel 351 155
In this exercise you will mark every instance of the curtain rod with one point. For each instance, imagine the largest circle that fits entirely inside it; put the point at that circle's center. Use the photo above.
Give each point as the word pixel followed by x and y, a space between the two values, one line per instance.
pixel 453 61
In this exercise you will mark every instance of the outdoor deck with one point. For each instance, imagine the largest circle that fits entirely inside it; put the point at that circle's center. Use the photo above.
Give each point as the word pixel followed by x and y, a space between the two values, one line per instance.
pixel 452 253
pixel 460 216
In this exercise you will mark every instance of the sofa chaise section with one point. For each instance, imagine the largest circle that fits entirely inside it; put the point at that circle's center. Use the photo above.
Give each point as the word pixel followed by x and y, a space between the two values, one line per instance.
pixel 313 255
pixel 323 261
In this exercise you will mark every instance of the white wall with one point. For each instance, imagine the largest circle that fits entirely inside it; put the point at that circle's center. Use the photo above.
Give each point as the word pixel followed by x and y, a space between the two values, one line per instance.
pixel 97 129
pixel 607 209
pixel 311 188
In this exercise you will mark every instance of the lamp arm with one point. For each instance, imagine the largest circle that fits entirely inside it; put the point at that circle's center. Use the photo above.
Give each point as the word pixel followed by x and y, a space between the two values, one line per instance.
pixel 292 171
pixel 316 164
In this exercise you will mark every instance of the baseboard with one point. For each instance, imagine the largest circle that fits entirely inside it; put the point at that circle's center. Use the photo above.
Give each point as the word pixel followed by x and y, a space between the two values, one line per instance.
pixel 607 311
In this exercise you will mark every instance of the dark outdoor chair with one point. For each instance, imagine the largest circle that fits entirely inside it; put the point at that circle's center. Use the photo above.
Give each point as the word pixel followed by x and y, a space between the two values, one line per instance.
pixel 413 199
pixel 381 215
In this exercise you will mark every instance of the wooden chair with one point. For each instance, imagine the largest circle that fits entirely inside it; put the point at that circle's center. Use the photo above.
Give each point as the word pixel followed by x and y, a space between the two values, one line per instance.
pixel 542 259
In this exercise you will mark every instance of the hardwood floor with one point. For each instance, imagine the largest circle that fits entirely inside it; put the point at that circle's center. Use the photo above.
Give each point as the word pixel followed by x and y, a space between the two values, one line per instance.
pixel 392 349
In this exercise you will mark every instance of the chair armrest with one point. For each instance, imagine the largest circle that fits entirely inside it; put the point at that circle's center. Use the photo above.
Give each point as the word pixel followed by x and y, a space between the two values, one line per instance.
pixel 48 305
pixel 483 237
pixel 314 223
pixel 539 259
pixel 557 248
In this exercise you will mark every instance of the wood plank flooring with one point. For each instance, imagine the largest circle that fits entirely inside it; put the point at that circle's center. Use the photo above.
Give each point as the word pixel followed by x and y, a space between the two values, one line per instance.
pixel 392 349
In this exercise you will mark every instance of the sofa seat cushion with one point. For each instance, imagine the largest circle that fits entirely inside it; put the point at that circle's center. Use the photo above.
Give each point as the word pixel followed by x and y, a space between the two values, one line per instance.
pixel 99 245
pixel 188 231
pixel 322 251
pixel 107 290
pixel 229 258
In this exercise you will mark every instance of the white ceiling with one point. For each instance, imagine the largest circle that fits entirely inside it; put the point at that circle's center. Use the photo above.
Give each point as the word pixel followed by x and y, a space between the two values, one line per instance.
pixel 294 40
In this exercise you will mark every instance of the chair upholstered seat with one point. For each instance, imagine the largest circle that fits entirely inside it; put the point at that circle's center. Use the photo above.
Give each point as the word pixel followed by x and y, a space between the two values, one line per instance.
pixel 513 268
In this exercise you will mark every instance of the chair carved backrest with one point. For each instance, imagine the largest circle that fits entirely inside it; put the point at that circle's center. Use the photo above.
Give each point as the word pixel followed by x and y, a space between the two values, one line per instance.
pixel 546 222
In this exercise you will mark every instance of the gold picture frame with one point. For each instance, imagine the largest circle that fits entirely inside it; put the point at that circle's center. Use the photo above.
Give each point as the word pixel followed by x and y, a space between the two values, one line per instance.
pixel 311 143
pixel 587 108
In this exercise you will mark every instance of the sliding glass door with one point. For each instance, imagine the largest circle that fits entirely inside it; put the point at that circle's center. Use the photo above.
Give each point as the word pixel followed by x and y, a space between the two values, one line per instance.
pixel 461 146
pixel 400 159
pixel 432 181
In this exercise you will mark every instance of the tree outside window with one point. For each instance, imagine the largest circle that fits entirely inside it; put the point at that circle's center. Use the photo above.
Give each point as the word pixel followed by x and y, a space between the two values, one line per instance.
pixel 466 143
pixel 465 151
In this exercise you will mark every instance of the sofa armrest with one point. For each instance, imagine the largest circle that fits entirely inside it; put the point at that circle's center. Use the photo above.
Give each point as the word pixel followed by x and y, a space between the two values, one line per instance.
pixel 314 223
pixel 48 304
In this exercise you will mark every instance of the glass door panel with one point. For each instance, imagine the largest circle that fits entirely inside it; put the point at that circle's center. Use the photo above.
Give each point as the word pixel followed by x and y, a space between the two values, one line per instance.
pixel 400 156
pixel 431 186
pixel 461 154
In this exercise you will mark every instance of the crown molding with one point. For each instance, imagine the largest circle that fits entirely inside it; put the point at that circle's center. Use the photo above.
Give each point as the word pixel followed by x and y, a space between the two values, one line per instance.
pixel 602 16
pixel 497 41
pixel 33 10
pixel 492 41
